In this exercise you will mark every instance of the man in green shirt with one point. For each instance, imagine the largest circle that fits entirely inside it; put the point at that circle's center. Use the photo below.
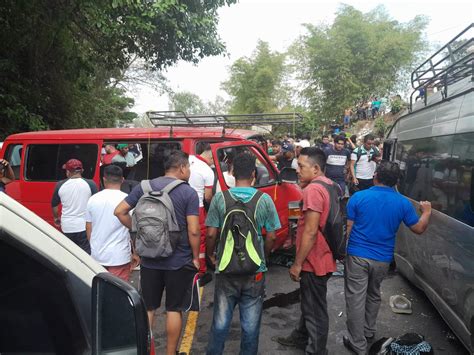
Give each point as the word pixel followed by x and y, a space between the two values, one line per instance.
pixel 246 290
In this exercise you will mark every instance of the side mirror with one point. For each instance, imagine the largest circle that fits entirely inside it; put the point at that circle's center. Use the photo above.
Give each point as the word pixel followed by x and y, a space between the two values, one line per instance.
pixel 119 318
pixel 288 175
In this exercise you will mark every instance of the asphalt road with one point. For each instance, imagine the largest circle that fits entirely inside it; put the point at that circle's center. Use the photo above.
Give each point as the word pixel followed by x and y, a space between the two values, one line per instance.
pixel 282 311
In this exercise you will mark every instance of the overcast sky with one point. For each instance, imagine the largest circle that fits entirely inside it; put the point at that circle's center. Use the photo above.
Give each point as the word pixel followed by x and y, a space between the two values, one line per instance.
pixel 279 23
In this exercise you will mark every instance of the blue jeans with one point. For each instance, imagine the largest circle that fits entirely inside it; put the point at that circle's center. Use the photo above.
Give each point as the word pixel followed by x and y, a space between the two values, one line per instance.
pixel 230 291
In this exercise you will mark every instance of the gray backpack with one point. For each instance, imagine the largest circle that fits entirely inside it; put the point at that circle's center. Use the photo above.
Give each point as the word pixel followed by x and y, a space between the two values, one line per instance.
pixel 154 224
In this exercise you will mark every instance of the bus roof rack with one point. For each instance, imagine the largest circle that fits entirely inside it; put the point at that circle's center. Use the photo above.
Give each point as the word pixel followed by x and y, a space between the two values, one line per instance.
pixel 450 64
pixel 181 119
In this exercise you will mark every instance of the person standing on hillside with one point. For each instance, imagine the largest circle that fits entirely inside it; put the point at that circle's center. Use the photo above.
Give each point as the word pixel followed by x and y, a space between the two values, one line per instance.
pixel 370 249
pixel 73 194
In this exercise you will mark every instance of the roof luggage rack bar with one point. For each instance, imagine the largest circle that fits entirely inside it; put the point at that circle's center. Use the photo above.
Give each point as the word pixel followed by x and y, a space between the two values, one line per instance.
pixel 181 119
pixel 456 63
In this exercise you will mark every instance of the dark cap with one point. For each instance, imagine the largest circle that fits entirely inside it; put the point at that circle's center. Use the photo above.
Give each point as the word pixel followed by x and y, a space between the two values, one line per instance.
pixel 287 147
pixel 73 165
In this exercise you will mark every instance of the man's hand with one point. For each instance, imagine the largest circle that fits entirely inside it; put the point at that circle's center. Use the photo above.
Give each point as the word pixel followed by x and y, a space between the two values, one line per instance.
pixel 57 222
pixel 425 207
pixel 196 263
pixel 134 262
pixel 295 271
pixel 355 181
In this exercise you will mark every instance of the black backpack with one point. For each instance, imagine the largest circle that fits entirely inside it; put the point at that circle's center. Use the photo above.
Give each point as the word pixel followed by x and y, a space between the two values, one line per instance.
pixel 239 251
pixel 335 228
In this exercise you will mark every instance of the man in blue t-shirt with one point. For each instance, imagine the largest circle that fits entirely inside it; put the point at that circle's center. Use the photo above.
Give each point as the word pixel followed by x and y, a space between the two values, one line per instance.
pixel 177 273
pixel 247 291
pixel 370 249
pixel 337 162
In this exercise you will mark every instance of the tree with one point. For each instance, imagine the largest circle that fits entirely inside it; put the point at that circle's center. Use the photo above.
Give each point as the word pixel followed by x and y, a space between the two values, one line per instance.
pixel 255 83
pixel 61 61
pixel 359 55
pixel 186 102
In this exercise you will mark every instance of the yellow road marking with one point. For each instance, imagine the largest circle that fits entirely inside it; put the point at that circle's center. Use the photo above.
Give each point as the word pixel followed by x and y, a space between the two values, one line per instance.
pixel 190 329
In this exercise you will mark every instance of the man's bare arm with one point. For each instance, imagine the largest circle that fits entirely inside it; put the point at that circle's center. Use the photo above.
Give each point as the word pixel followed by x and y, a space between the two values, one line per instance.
pixel 311 224
pixel 88 230
pixel 211 236
pixel 194 237
pixel 122 213
pixel 269 241
pixel 208 194
pixel 422 224
pixel 57 221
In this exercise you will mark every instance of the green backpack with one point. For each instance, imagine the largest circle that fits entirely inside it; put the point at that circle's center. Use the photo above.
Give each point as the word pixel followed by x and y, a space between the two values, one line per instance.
pixel 239 251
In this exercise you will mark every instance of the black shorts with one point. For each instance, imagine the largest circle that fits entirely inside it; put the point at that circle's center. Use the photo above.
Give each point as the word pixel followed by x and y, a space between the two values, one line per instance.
pixel 182 288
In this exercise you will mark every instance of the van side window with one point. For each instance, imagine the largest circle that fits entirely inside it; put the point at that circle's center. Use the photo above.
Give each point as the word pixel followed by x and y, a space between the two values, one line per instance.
pixel 44 161
pixel 13 156
pixel 440 169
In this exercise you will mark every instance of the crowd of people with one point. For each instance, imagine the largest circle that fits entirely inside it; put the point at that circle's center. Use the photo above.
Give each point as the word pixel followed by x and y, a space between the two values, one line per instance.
pixel 233 232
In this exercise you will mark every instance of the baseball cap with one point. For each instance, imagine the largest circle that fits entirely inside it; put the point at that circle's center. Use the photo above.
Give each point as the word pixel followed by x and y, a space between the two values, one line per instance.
pixel 302 144
pixel 122 145
pixel 287 147
pixel 73 164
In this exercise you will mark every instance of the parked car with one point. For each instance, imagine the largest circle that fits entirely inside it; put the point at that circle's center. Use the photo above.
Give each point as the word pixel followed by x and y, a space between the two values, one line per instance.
pixel 55 299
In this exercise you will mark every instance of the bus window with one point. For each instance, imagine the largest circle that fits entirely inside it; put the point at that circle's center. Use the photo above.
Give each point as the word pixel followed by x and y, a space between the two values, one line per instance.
pixel 439 169
pixel 44 161
pixel 13 156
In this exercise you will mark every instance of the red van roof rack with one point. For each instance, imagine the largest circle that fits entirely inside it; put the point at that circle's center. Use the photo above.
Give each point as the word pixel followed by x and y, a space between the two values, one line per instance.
pixel 181 119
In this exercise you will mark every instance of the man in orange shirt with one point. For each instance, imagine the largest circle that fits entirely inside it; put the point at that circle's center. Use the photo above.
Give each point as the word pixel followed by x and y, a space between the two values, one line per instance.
pixel 314 261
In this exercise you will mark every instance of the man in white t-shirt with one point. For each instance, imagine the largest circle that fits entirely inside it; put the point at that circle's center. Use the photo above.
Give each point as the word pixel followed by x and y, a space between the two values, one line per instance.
pixel 363 164
pixel 202 180
pixel 73 194
pixel 109 239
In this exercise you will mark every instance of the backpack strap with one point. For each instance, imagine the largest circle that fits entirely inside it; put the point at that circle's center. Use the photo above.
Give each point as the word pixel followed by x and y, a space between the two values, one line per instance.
pixel 328 187
pixel 253 202
pixel 146 186
pixel 168 188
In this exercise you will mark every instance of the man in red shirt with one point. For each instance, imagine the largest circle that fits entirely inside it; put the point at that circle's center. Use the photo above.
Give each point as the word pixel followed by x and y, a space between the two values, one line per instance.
pixel 314 261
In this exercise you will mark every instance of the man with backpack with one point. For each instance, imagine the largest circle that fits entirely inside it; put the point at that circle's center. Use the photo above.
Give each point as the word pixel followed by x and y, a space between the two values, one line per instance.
pixel 240 214
pixel 363 164
pixel 370 249
pixel 166 222
pixel 315 259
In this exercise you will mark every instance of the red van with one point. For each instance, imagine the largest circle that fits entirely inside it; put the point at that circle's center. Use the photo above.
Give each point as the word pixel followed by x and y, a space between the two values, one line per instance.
pixel 37 159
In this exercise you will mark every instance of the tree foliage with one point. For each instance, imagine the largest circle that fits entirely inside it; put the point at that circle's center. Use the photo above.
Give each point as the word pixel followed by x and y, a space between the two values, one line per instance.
pixel 60 61
pixel 186 102
pixel 255 83
pixel 359 55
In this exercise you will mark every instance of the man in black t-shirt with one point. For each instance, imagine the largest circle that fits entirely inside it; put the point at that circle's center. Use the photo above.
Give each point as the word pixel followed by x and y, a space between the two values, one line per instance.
pixel 285 159
pixel 337 161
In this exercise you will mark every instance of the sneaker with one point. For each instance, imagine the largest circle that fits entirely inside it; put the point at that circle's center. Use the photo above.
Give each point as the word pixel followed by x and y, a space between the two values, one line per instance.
pixel 292 341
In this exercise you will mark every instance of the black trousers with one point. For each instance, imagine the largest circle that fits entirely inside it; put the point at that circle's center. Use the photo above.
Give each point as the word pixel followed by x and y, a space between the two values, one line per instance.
pixel 80 238
pixel 314 321
pixel 365 184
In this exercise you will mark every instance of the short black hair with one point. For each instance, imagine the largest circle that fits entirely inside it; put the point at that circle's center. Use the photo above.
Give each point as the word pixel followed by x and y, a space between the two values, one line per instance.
pixel 113 173
pixel 325 136
pixel 388 173
pixel 202 147
pixel 244 166
pixel 340 138
pixel 306 136
pixel 316 155
pixel 276 142
pixel 353 138
pixel 369 137
pixel 176 159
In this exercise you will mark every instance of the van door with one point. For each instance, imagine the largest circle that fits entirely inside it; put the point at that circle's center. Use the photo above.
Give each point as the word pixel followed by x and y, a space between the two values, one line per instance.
pixel 267 179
